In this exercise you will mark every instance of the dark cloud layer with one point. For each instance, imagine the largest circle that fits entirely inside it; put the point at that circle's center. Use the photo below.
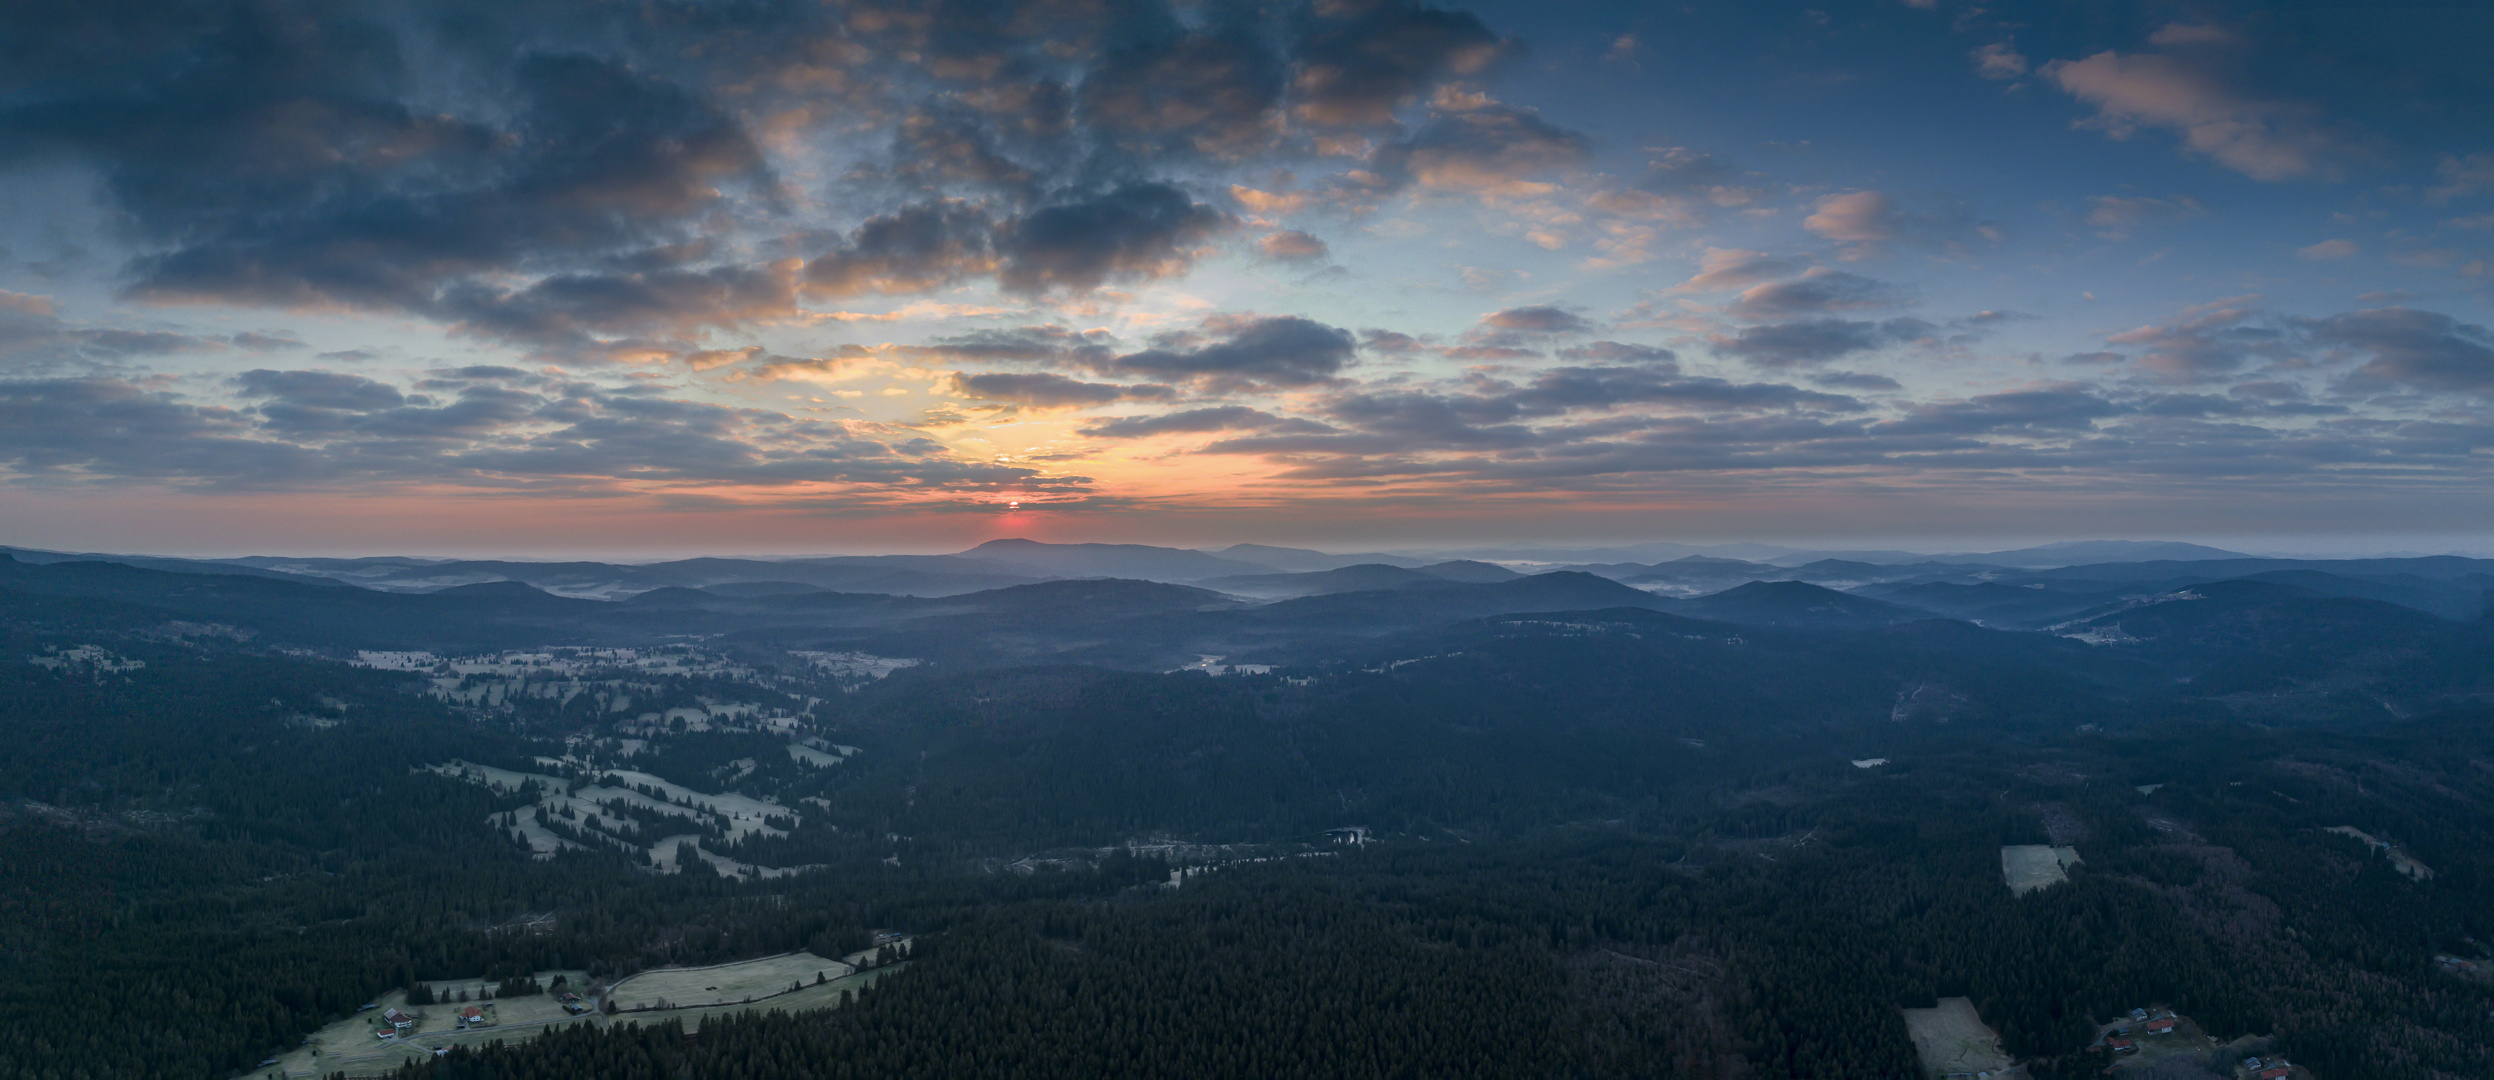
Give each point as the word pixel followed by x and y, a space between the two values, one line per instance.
pixel 314 429
pixel 1812 341
pixel 1282 351
pixel 2421 349
pixel 558 177
pixel 1049 390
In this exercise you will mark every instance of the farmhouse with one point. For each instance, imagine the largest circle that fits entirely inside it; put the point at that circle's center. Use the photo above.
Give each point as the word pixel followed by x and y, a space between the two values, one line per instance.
pixel 2121 1045
pixel 2162 1025
pixel 472 1016
pixel 400 1023
pixel 2269 1068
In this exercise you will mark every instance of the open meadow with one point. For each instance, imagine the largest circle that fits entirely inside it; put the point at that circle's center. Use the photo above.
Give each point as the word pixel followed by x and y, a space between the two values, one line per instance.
pixel 1953 1040
pixel 2028 867
pixel 723 983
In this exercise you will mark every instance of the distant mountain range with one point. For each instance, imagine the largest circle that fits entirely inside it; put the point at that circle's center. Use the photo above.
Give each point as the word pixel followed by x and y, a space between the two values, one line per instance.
pixel 2025 588
pixel 1252 569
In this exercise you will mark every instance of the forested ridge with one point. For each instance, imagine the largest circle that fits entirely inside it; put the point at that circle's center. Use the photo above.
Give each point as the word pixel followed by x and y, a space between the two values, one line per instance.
pixel 1611 846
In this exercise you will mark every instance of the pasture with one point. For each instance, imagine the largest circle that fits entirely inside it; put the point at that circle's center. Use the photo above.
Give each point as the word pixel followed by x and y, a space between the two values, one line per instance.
pixel 723 984
pixel 2028 867
pixel 1953 1040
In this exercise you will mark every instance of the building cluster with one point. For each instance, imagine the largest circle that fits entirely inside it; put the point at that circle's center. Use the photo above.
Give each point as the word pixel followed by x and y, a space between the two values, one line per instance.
pixel 2124 1036
pixel 2266 1068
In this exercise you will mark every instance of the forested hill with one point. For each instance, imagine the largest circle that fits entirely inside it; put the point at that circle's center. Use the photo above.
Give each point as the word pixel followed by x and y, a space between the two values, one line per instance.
pixel 1451 831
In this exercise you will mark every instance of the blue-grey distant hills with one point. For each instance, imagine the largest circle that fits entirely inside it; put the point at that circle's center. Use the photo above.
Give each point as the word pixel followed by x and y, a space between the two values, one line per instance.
pixel 2082 552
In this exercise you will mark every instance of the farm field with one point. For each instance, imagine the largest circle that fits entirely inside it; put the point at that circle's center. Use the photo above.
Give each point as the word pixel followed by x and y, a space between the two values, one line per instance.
pixel 723 984
pixel 2028 867
pixel 812 997
pixel 1952 1040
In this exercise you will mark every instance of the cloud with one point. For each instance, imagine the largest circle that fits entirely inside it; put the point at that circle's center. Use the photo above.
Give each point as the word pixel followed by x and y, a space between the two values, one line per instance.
pixel 316 431
pixel 1291 246
pixel 319 389
pixel 1565 389
pixel 2206 341
pixel 277 190
pixel 258 342
pixel 706 359
pixel 1617 352
pixel 2115 217
pixel 2462 177
pixel 1817 291
pixel 1684 174
pixel 1732 268
pixel 1048 390
pixel 2325 250
pixel 1360 60
pixel 1854 216
pixel 2055 409
pixel 2191 90
pixel 1215 91
pixel 1866 222
pixel 1495 150
pixel 1998 61
pixel 1538 319
pixel 1813 341
pixel 1856 380
pixel 2422 349
pixel 1199 421
pixel 912 250
pixel 578 310
pixel 143 342
pixel 1134 232
pixel 1245 351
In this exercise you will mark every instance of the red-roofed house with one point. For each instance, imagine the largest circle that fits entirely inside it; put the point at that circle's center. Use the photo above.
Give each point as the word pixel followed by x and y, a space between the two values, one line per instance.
pixel 472 1016
pixel 399 1022
pixel 2121 1045
pixel 2163 1025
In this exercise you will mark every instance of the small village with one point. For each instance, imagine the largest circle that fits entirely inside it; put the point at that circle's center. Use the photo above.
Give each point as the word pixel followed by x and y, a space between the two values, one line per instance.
pixel 2153 1033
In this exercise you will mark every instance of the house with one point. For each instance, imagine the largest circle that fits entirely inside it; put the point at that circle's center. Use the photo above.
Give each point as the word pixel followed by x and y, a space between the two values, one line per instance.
pixel 2163 1025
pixel 472 1016
pixel 2122 1045
pixel 400 1023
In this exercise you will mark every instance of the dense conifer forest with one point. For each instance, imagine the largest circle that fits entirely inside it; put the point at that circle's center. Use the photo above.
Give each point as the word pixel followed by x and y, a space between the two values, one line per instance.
pixel 1598 846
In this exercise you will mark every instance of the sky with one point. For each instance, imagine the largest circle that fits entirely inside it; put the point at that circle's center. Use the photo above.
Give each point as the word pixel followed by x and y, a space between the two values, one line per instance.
pixel 664 278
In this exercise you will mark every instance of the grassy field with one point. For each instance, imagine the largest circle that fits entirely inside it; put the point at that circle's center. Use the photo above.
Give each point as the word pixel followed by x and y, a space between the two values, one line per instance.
pixel 812 997
pixel 1952 1039
pixel 350 1045
pixel 353 1044
pixel 2028 867
pixel 723 983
